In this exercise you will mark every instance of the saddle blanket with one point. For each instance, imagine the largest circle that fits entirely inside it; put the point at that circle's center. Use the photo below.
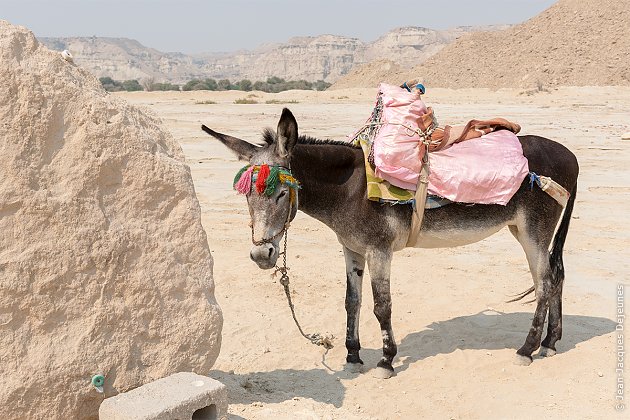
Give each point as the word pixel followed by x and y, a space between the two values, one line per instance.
pixel 483 170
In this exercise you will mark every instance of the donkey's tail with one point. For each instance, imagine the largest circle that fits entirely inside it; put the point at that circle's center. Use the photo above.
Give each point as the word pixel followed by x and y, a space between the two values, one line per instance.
pixel 555 256
pixel 522 295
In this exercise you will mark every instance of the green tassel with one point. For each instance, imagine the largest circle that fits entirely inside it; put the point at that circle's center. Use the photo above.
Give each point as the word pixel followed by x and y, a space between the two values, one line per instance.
pixel 272 181
pixel 239 174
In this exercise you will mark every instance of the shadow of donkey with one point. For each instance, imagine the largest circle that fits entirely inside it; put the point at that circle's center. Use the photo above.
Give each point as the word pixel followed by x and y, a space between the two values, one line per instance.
pixel 482 331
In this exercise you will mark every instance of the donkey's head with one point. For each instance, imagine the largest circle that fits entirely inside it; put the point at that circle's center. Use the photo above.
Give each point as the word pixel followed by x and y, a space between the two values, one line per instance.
pixel 267 182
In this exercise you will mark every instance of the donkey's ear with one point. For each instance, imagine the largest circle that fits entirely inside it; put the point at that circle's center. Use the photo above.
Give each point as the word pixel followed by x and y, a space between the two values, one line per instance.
pixel 243 149
pixel 287 133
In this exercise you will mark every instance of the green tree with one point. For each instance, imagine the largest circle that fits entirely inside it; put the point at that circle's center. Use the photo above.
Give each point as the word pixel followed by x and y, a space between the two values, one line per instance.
pixel 224 84
pixel 106 80
pixel 131 85
pixel 261 86
pixel 196 84
pixel 211 84
pixel 191 85
pixel 110 84
pixel 297 85
pixel 165 86
pixel 245 85
pixel 275 80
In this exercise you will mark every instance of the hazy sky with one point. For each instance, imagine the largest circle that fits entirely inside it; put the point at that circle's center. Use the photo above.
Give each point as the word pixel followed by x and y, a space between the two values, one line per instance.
pixel 222 25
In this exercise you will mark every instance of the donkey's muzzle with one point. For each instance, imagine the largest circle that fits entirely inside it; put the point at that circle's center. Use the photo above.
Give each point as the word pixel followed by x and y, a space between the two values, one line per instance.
pixel 265 255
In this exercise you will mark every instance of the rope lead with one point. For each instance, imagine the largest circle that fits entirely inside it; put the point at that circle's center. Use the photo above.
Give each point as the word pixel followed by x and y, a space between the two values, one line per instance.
pixel 316 338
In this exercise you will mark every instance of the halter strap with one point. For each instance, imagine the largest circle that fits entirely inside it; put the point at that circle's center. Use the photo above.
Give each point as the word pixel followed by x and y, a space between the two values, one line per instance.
pixel 282 231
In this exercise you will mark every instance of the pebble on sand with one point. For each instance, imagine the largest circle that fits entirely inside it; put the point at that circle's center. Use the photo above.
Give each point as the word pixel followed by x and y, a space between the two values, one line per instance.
pixel 626 136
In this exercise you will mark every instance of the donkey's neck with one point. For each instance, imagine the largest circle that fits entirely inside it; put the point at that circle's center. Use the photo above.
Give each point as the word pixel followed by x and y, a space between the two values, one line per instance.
pixel 329 174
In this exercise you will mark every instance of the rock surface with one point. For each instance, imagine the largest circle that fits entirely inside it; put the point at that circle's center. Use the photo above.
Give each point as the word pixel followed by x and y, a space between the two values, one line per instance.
pixel 104 264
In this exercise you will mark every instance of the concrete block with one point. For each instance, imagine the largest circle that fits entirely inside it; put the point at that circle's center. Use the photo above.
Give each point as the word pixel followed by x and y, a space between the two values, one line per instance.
pixel 181 396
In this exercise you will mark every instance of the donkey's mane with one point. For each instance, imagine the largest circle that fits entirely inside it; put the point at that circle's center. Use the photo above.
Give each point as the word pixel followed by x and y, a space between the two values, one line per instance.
pixel 270 136
pixel 313 140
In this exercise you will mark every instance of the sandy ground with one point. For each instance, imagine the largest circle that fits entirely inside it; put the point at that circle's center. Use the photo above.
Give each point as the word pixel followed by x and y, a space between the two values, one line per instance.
pixel 457 336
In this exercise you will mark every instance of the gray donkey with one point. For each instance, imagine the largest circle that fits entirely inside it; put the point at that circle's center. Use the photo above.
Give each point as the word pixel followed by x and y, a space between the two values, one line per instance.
pixel 333 190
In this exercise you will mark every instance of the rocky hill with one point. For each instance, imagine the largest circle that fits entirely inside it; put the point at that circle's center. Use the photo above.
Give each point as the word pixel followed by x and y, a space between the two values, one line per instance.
pixel 574 42
pixel 324 57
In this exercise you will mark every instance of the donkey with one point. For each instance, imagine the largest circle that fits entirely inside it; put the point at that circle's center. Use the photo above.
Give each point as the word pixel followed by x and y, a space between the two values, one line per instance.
pixel 333 190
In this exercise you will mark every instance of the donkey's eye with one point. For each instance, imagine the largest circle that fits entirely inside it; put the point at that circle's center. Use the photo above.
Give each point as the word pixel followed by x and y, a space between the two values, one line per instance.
pixel 282 194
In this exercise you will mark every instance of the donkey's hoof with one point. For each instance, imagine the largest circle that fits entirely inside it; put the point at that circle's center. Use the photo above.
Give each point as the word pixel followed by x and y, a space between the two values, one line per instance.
pixel 546 352
pixel 382 373
pixel 383 370
pixel 521 360
pixel 353 367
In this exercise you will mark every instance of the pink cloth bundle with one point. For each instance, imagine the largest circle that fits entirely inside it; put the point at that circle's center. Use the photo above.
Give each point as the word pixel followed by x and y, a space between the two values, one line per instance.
pixel 397 149
pixel 484 170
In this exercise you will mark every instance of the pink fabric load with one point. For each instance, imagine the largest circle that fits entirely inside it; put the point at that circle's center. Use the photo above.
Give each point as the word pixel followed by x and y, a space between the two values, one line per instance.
pixel 485 170
pixel 397 149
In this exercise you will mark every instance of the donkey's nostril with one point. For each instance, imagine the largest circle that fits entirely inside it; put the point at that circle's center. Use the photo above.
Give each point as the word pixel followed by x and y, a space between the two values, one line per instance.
pixel 270 251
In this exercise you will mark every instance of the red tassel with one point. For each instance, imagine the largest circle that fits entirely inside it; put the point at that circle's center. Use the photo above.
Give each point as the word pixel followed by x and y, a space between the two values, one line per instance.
pixel 263 173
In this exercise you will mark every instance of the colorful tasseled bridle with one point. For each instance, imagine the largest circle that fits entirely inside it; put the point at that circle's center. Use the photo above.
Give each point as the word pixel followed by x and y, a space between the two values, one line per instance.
pixel 266 179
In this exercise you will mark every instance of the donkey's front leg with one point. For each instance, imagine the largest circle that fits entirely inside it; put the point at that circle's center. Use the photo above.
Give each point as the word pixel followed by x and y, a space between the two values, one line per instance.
pixel 355 265
pixel 379 263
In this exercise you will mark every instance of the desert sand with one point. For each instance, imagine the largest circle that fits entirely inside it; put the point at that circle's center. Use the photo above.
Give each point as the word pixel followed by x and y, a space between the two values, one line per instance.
pixel 457 337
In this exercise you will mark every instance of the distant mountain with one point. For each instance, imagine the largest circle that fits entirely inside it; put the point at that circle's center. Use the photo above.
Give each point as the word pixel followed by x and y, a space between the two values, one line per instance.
pixel 410 46
pixel 124 59
pixel 324 57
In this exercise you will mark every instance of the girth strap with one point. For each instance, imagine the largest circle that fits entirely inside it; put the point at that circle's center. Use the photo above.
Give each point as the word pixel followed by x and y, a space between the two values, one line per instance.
pixel 417 213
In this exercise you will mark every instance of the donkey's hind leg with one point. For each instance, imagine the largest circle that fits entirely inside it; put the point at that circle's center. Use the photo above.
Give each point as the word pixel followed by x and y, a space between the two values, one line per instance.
pixel 554 325
pixel 355 265
pixel 536 251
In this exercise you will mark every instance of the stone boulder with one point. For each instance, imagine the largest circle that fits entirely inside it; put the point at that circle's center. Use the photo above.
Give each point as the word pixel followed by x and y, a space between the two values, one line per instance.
pixel 104 265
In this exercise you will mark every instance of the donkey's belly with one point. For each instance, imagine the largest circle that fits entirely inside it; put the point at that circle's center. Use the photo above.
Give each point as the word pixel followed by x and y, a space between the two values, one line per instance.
pixel 447 237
